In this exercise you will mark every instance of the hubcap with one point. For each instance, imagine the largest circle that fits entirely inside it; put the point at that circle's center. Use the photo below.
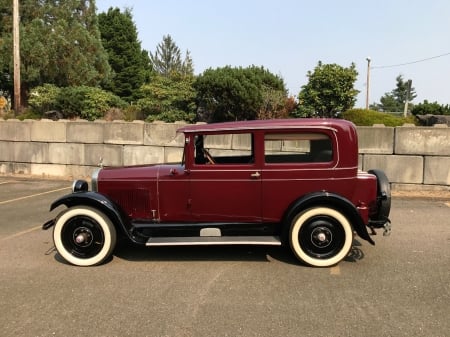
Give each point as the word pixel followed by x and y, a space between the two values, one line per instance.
pixel 82 236
pixel 322 237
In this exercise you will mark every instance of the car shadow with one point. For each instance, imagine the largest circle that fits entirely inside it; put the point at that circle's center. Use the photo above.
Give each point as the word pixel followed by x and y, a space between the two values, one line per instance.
pixel 131 252
pixel 355 254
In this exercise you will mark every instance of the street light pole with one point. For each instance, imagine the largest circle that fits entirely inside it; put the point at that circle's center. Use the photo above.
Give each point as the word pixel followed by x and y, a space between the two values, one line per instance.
pixel 16 56
pixel 368 82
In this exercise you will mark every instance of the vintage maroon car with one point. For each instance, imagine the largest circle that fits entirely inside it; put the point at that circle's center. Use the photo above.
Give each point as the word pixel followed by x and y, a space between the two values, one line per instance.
pixel 269 182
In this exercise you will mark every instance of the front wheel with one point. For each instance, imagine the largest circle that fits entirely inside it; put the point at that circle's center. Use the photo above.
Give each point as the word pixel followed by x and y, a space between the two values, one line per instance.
pixel 320 236
pixel 84 236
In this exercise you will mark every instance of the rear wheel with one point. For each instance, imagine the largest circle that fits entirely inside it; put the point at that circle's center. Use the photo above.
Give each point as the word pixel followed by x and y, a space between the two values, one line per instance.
pixel 320 236
pixel 84 236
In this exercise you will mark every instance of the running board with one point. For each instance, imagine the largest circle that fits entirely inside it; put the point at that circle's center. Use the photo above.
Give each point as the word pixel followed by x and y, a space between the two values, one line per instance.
pixel 214 240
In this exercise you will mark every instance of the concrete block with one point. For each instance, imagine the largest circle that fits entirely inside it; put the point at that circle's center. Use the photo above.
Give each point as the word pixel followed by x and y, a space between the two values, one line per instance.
pixel 242 141
pixel 360 161
pixel 379 140
pixel 163 134
pixel 139 155
pixel 80 171
pixel 15 168
pixel 16 130
pixel 47 130
pixel 85 132
pixel 108 155
pixel 49 170
pixel 22 168
pixel 437 170
pixel 7 151
pixel 6 168
pixel 173 155
pixel 119 132
pixel 423 140
pixel 65 153
pixel 218 141
pixel 30 152
pixel 422 189
pixel 399 169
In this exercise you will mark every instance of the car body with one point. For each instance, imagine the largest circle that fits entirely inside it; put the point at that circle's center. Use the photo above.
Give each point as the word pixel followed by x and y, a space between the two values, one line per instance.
pixel 292 182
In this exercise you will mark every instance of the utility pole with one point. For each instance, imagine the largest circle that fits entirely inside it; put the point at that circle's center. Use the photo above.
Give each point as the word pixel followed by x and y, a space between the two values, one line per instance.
pixel 16 55
pixel 368 83
pixel 408 92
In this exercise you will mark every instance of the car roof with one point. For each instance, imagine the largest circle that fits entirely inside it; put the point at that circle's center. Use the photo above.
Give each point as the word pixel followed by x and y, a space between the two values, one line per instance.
pixel 270 124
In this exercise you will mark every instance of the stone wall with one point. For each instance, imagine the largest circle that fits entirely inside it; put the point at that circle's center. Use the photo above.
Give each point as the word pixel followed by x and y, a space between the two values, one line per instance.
pixel 412 157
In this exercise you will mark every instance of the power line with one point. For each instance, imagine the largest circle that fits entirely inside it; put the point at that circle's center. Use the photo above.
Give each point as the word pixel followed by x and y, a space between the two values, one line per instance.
pixel 407 63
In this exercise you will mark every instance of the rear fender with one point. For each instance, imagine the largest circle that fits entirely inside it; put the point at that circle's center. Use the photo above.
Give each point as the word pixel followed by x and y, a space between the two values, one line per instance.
pixel 98 201
pixel 333 201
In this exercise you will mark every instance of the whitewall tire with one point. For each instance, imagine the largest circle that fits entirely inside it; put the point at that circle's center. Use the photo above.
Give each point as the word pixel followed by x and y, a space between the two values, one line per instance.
pixel 320 236
pixel 84 236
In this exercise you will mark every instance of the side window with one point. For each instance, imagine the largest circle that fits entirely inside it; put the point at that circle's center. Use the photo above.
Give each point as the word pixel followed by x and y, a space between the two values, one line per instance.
pixel 235 148
pixel 297 148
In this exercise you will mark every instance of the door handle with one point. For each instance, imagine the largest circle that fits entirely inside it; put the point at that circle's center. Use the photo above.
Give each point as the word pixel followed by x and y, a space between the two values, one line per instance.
pixel 255 175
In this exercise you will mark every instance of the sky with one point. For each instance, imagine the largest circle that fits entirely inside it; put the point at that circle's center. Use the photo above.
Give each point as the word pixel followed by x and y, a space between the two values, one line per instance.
pixel 289 37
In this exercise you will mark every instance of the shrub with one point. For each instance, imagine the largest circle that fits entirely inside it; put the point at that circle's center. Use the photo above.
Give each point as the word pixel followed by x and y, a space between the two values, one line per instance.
pixel 432 108
pixel 362 117
pixel 43 98
pixel 82 101
pixel 87 102
pixel 171 116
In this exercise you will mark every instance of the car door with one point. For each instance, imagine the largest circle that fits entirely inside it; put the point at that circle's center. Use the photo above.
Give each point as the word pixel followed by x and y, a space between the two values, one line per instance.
pixel 225 182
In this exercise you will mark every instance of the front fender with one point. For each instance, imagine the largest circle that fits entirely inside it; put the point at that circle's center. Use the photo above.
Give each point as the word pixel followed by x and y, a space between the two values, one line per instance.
pixel 97 201
pixel 330 200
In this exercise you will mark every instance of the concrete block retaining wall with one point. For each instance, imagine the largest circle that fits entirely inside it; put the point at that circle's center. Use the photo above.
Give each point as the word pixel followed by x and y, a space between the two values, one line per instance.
pixel 412 157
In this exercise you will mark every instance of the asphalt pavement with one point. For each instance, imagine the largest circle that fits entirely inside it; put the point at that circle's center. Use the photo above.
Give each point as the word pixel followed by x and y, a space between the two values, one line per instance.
pixel 399 287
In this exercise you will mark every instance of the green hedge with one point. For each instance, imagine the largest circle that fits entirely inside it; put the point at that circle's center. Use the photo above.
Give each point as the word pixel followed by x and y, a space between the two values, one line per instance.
pixel 85 102
pixel 362 117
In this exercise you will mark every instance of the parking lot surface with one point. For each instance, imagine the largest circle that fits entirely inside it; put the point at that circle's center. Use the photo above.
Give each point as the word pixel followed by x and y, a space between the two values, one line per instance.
pixel 400 287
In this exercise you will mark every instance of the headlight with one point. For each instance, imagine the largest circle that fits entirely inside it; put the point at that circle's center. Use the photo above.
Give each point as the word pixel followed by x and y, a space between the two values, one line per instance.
pixel 80 186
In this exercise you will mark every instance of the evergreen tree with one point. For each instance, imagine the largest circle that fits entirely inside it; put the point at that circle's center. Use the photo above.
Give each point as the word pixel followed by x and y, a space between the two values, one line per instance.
pixel 60 43
pixel 167 62
pixel 168 99
pixel 395 100
pixel 130 64
pixel 228 94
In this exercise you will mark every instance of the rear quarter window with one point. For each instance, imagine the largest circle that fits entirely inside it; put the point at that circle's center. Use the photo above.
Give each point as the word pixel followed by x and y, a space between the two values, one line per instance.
pixel 282 148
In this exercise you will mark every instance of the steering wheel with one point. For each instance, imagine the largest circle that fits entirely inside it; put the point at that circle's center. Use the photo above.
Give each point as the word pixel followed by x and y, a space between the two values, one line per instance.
pixel 209 157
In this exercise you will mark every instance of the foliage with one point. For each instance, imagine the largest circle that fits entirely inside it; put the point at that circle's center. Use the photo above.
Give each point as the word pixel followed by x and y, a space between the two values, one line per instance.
pixel 87 102
pixel 166 61
pixel 362 117
pixel 303 111
pixel 130 64
pixel 82 101
pixel 60 44
pixel 43 98
pixel 168 99
pixel 426 108
pixel 330 90
pixel 395 100
pixel 227 94
pixel 275 104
